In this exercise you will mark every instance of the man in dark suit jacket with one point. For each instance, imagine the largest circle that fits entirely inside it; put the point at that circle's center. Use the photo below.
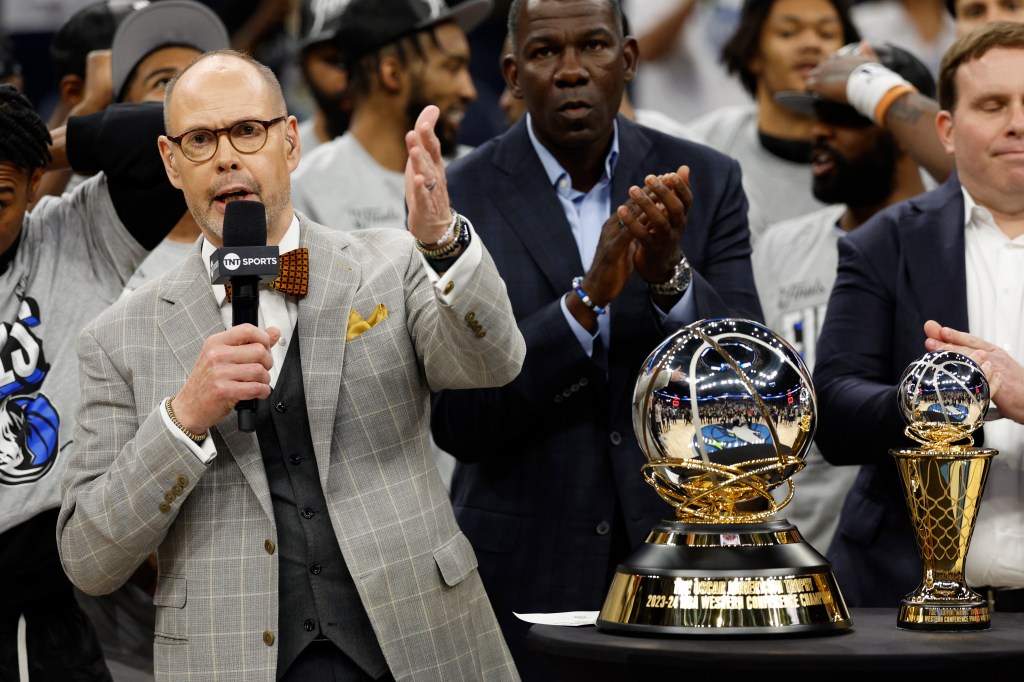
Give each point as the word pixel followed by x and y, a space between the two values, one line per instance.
pixel 907 265
pixel 548 487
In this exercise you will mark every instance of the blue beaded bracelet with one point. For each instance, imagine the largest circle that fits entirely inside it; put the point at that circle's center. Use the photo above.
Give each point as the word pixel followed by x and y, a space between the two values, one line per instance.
pixel 577 283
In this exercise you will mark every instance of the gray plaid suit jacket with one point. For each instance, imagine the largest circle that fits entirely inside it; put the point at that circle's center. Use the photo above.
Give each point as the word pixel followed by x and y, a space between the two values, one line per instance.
pixel 132 488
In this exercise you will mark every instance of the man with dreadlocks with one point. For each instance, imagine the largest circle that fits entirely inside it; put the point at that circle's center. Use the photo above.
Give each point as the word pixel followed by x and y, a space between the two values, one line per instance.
pixel 60 265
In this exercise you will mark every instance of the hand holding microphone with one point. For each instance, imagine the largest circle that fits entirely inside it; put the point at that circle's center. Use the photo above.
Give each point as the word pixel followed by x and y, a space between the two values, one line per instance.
pixel 233 369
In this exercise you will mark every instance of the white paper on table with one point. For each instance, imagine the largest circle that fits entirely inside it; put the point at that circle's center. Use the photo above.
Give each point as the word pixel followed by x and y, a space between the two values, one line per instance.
pixel 567 618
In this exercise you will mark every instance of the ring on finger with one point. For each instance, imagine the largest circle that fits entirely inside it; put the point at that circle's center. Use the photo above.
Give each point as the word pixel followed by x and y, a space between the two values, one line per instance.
pixel 430 184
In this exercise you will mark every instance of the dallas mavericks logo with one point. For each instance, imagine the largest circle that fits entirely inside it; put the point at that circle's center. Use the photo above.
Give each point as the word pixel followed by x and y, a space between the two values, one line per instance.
pixel 29 424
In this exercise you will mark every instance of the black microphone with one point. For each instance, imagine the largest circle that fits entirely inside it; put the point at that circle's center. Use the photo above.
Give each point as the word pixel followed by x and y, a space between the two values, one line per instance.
pixel 245 261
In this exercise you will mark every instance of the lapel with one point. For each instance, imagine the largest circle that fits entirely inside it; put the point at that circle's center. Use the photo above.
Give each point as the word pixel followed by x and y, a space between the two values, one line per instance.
pixel 334 276
pixel 190 320
pixel 531 208
pixel 935 256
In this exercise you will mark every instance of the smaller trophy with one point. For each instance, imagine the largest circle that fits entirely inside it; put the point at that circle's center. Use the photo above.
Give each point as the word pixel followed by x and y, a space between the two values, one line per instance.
pixel 944 397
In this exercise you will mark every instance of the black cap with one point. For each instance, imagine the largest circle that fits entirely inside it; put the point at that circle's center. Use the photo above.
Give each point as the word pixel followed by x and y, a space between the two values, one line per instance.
pixel 319 21
pixel 368 25
pixel 90 28
pixel 891 57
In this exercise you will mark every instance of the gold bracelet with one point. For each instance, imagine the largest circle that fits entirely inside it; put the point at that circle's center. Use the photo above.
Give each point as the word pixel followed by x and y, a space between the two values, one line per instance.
pixel 174 420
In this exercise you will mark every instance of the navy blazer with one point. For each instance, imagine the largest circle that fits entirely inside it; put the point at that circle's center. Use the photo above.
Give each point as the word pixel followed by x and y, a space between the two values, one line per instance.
pixel 903 267
pixel 548 487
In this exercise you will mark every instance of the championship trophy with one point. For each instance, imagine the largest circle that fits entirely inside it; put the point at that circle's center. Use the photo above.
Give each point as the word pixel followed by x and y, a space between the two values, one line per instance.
pixel 944 397
pixel 725 411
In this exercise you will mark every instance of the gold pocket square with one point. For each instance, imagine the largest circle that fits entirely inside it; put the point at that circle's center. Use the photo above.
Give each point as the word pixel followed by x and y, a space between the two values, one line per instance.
pixel 357 325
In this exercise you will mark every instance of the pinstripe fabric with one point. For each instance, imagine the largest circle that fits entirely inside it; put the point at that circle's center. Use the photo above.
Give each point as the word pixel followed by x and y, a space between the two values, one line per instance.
pixel 216 597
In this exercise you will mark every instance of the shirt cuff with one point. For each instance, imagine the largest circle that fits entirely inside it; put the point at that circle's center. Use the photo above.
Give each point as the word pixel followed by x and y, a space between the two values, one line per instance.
pixel 205 451
pixel 462 270
pixel 683 312
pixel 582 334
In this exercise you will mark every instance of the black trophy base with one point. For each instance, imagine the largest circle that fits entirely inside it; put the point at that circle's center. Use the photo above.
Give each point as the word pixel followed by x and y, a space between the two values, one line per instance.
pixel 724 579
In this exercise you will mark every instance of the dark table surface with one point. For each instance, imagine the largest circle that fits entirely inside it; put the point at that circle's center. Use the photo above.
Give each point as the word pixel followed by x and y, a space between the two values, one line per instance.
pixel 872 643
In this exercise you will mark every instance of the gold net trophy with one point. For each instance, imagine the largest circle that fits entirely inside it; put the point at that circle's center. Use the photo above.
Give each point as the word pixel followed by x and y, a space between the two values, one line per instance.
pixel 725 412
pixel 944 397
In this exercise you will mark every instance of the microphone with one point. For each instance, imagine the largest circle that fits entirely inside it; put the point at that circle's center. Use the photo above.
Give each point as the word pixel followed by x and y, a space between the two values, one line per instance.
pixel 244 262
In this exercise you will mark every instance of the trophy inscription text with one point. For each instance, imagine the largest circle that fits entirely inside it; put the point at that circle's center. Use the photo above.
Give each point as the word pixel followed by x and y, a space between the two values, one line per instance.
pixel 745 593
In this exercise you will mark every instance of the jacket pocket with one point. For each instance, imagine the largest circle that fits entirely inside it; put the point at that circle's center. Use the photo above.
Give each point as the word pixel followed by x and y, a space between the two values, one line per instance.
pixel 455 559
pixel 169 599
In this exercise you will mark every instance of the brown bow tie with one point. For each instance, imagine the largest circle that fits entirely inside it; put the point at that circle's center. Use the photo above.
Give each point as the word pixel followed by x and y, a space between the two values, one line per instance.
pixel 294 277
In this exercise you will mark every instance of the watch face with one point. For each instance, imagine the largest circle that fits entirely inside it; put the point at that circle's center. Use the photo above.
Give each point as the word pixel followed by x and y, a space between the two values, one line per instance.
pixel 678 283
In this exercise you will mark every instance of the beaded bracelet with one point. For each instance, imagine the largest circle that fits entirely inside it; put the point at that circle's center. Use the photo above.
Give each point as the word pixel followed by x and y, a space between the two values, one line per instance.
pixel 447 233
pixel 577 286
pixel 447 248
pixel 194 437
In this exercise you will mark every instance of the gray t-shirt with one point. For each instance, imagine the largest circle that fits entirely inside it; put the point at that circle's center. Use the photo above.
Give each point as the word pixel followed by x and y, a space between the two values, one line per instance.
pixel 165 256
pixel 794 266
pixel 340 185
pixel 776 189
pixel 307 135
pixel 72 262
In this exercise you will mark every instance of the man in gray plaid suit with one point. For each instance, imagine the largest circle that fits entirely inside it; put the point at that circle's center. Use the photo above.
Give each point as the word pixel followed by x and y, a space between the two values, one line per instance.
pixel 323 545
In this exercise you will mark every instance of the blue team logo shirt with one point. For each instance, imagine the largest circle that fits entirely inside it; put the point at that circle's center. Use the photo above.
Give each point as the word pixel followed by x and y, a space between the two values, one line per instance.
pixel 29 423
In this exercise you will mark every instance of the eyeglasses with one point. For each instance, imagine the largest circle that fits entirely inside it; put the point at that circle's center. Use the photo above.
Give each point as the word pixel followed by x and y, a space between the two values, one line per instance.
pixel 247 137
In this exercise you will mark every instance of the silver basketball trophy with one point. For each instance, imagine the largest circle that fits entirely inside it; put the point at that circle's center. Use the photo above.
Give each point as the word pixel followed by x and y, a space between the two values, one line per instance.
pixel 725 411
pixel 944 397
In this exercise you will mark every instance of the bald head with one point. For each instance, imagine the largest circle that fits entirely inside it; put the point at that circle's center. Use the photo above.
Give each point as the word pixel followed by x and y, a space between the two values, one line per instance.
pixel 245 73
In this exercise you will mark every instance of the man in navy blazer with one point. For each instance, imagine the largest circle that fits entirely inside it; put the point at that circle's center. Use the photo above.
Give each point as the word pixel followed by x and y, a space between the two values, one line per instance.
pixel 548 485
pixel 946 255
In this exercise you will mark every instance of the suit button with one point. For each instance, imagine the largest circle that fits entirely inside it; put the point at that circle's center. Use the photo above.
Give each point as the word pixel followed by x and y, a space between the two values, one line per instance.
pixel 269 546
pixel 583 381
pixel 164 507
pixel 177 489
pixel 307 513
pixel 315 568
pixel 168 497
pixel 183 481
pixel 281 407
pixel 559 398
pixel 308 625
pixel 481 334
pixel 615 438
pixel 268 638
pixel 603 528
pixel 294 459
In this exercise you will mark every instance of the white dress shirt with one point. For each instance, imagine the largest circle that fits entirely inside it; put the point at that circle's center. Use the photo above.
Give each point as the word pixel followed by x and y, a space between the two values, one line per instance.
pixel 995 312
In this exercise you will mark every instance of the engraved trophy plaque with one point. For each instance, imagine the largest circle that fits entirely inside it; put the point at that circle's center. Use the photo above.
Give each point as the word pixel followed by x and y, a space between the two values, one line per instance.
pixel 944 397
pixel 725 411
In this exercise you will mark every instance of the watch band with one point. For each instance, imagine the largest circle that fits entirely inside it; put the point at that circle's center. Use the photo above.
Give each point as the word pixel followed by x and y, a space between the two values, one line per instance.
pixel 678 283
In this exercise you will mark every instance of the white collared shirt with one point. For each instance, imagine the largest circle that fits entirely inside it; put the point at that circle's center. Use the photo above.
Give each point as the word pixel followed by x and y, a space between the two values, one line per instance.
pixel 995 312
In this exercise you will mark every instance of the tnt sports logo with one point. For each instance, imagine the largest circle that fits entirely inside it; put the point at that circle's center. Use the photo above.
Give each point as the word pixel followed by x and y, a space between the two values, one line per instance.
pixel 231 261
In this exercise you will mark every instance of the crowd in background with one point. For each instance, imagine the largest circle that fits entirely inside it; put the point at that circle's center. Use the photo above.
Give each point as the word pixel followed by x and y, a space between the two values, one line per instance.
pixel 718 138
